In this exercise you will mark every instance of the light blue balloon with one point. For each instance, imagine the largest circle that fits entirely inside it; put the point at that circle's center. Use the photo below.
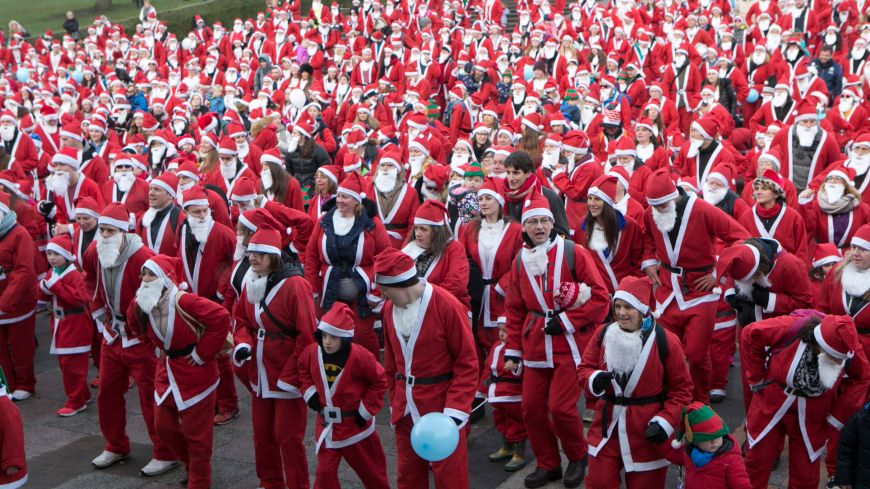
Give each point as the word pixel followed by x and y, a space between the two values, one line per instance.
pixel 753 96
pixel 78 76
pixel 434 437
pixel 528 72
pixel 22 75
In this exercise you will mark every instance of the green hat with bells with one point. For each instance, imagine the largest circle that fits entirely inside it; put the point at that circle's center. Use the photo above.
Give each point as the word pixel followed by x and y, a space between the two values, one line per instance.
pixel 699 423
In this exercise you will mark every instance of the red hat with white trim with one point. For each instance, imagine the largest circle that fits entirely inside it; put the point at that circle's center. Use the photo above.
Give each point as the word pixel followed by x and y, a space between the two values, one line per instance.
pixel 228 146
pixel 861 238
pixel 235 130
pixel 722 174
pixel 87 206
pixel 332 172
pixel 604 187
pixel 10 181
pixel 266 240
pixel 534 122
pixel 394 268
pixel 194 196
pixel 253 219
pixel 660 188
pixel 491 188
pixel 706 126
pixel 805 111
pixel 62 245
pixel 840 171
pixel 245 190
pixel 637 292
pixel 272 156
pixel 431 213
pixel 116 215
pixel 624 147
pixel 338 321
pixel 188 169
pixel 72 130
pixel 837 336
pixel 8 116
pixel 621 175
pixel 536 207
pixel 150 123
pixel 828 253
pixel 67 156
pixel 166 181
pixel 354 186
pixel 352 162
pixel 168 268
pixel 305 127
pixel 772 155
pixel 575 142
pixel 436 175
pixel 420 144
pixel 739 262
pixel 391 157
pixel 773 178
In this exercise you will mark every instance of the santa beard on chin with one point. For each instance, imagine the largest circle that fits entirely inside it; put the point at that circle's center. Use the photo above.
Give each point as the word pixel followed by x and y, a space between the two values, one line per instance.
pixel 536 259
pixel 240 250
pixel 200 228
pixel 744 287
pixel 109 249
pixel 666 220
pixel 621 349
pixel 255 286
pixel 385 182
pixel 855 282
pixel 149 294
pixel 829 370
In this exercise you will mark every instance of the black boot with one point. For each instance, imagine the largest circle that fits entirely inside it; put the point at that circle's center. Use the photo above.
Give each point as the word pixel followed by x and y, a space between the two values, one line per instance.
pixel 574 473
pixel 540 477
pixel 477 413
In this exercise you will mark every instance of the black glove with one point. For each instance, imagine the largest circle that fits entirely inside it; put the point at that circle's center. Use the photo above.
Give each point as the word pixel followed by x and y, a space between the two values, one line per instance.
pixel 733 300
pixel 601 381
pixel 360 421
pixel 456 420
pixel 314 403
pixel 655 433
pixel 746 313
pixel 554 327
pixel 45 207
pixel 760 295
pixel 242 354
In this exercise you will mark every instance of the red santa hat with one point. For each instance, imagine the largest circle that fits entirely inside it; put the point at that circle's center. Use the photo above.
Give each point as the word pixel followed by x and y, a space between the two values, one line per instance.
pixel 166 181
pixel 420 144
pixel 72 130
pixel 706 126
pixel 168 268
pixel 87 206
pixel 490 187
pixel 67 156
pixel 604 187
pixel 861 238
pixel 149 123
pixel 235 130
pixel 194 196
pixel 391 157
pixel 576 142
pixel 739 262
pixel 436 176
pixel 621 175
pixel 116 215
pixel 332 172
pixel 637 292
pixel 394 268
pixel 431 213
pixel 253 219
pixel 338 321
pixel 722 174
pixel 660 188
pixel 8 116
pixel 97 125
pixel 836 336
pixel 805 111
pixel 533 122
pixel 773 156
pixel 62 245
pixel 245 190
pixel 624 147
pixel 188 169
pixel 305 127
pixel 354 186
pixel 9 180
pixel 828 253
pixel 536 207
pixel 840 171
pixel 265 240
pixel 272 156
pixel 227 146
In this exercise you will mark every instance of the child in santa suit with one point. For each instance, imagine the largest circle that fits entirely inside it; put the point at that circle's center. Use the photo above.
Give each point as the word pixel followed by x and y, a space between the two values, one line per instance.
pixel 711 456
pixel 345 385
pixel 825 258
pixel 71 327
pixel 13 462
pixel 503 389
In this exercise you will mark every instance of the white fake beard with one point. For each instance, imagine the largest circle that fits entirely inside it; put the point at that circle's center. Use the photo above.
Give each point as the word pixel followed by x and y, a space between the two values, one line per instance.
pixel 109 249
pixel 385 181
pixel 201 227
pixel 228 171
pixel 694 146
pixel 549 159
pixel 665 221
pixel 148 216
pixel 586 115
pixel 292 144
pixel 598 240
pixel 255 286
pixel 458 160
pixel 148 294
pixel 621 349
pixel 844 105
pixel 266 178
pixel 124 181
pixel 157 153
pixel 834 192
pixel 430 195
pixel 536 259
pixel 859 164
pixel 779 100
pixel 714 196
pixel 404 318
pixel 744 287
pixel 829 369
pixel 58 182
pixel 855 282
pixel 759 58
pixel 518 98
pixel 806 135
pixel 7 133
pixel 416 163
pixel 243 150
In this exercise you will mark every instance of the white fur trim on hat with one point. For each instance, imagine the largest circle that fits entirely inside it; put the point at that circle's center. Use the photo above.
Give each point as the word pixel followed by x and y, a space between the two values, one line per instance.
pixel 62 159
pixel 263 248
pixel 719 177
pixel 860 242
pixel 358 196
pixel 495 195
pixel 601 195
pixel 700 129
pixel 165 186
pixel 332 330
pixel 757 257
pixel 820 339
pixel 663 199
pixel 187 203
pixel 632 301
pixel 536 212
pixel 122 225
pixel 60 251
pixel 395 279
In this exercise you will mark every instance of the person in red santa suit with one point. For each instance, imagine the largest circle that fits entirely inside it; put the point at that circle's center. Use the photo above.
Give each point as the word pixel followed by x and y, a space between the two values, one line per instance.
pixel 248 153
pixel 159 225
pixel 26 216
pixel 836 212
pixel 807 149
pixel 680 239
pixel 825 259
pixel 276 184
pixel 189 177
pixel 187 332
pixel 66 185
pixel 431 366
pixel 112 267
pixel 326 180
pixel 846 289
pixel 230 170
pixel 13 467
pixel 547 330
pixel 574 178
pixel 703 151
pixel 637 371
pixel 859 160
pixel 769 159
pixel 125 187
pixel 19 151
pixel 683 82
pixel 716 189
pixel 275 321
pixel 806 373
pixel 397 201
pixel 17 304
pixel 71 326
pixel 345 385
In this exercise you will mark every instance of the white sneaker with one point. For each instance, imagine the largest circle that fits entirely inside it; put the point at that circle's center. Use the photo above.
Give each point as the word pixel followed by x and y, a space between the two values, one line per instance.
pixel 20 395
pixel 157 467
pixel 107 459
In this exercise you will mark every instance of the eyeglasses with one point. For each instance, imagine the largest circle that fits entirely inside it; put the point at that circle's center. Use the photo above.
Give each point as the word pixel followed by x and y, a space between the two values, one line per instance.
pixel 535 222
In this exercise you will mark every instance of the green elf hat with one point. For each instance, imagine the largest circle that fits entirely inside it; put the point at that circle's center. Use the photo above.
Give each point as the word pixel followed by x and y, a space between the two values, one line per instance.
pixel 623 75
pixel 472 170
pixel 571 94
pixel 699 423
pixel 4 385
pixel 432 108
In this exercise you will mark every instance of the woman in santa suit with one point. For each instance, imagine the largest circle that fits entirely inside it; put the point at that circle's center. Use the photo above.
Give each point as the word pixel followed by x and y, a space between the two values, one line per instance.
pixel 647 145
pixel 276 184
pixel 771 217
pixel 27 217
pixel 325 186
pixel 187 332
pixel 614 241
pixel 836 213
pixel 341 254
pixel 846 289
pixel 275 321
pixel 440 258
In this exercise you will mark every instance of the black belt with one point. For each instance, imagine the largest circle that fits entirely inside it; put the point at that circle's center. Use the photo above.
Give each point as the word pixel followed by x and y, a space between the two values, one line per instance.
pixel 394 227
pixel 863 330
pixel 634 401
pixel 62 313
pixel 489 281
pixel 411 380
pixel 683 271
pixel 791 390
pixel 501 380
pixel 183 352
pixel 549 315
pixel 272 336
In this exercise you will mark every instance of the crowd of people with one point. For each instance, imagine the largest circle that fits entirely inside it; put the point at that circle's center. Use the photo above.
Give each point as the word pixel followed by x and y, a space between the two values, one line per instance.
pixel 425 204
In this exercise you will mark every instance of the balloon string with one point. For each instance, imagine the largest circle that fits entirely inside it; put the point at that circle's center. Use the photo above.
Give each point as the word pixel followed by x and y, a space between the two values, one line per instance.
pixel 484 403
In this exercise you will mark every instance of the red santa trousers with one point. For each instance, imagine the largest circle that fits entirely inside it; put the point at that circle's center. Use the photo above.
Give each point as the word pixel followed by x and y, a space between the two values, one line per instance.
pixel 802 473
pixel 190 435
pixel 412 471
pixel 279 428
pixel 366 458
pixel 227 400
pixel 508 419
pixel 74 371
pixel 604 468
pixel 17 348
pixel 116 366
pixel 723 344
pixel 694 327
pixel 550 398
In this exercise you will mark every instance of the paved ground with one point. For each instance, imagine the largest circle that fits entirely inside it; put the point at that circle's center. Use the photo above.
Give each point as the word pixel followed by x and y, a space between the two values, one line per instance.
pixel 59 450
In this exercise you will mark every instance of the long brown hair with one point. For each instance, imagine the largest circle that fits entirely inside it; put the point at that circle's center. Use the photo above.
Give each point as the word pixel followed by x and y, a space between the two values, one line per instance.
pixel 210 161
pixel 441 236
pixel 279 181
pixel 607 221
pixel 531 144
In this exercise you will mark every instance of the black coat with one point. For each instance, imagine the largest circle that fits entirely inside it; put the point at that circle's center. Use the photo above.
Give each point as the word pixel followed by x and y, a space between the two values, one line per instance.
pixel 304 167
pixel 853 455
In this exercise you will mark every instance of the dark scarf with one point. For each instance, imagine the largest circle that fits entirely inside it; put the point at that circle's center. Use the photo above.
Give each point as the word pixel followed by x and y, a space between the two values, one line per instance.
pixel 341 251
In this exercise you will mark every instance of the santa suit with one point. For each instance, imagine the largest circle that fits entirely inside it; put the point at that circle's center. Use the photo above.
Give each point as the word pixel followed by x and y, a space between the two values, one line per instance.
pixel 551 361
pixel 614 265
pixel 503 389
pixel 161 235
pixel 64 211
pixel 398 220
pixel 23 155
pixel 71 331
pixel 359 388
pixel 776 410
pixel 439 356
pixel 832 299
pixel 684 85
pixel 789 287
pixel 278 410
pixel 217 179
pixel 135 199
pixel 691 167
pixel 575 186
pixel 124 352
pixel 17 308
pixel 829 228
pixel 11 444
pixel 826 153
pixel 96 169
pixel 787 228
pixel 688 312
pixel 448 270
pixel 185 393
pixel 656 390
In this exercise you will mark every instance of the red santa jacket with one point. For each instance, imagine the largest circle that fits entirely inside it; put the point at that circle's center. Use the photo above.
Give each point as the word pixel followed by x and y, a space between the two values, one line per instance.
pixel 399 220
pixel 24 156
pixel 690 167
pixel 575 186
pixel 440 345
pixel 829 228
pixel 11 444
pixel 96 169
pixel 136 199
pixel 64 211
pixel 17 276
pixel 528 305
pixel 498 384
pixel 207 273
pixel 788 229
pixel 360 387
pixel 162 237
pixel 72 329
pixel 827 152
pixel 832 299
pixel 789 289
pixel 493 263
pixel 655 374
pixel 449 270
pixel 624 261
pixel 767 407
pixel 174 375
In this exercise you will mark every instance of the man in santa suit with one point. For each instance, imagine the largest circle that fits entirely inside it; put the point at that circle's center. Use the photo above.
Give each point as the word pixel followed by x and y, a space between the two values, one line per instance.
pixel 18 151
pixel 231 169
pixel 638 372
pixel 547 331
pixel 702 152
pixel 189 177
pixel 248 152
pixel 807 149
pixel 90 163
pixel 66 185
pixel 48 130
pixel 574 179
pixel 158 226
pixel 681 233
pixel 112 267
pixel 365 71
pixel 187 332
pixel 683 82
pixel 806 375
pixel 396 200
pixel 845 289
pixel 431 366
pixel 125 187
pixel 85 229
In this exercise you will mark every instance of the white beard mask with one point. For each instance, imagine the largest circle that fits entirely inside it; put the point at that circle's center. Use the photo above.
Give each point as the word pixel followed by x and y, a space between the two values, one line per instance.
pixel 854 281
pixel 834 192
pixel 858 53
pixel 829 369
pixel 549 159
pixel 779 99
pixel 536 259
pixel 598 240
pixel 666 220
pixel 124 180
pixel 148 294
pixel 758 58
pixel 694 146
pixel 293 143
pixel 714 196
pixel 458 159
pixel 241 249
pixel 792 53
pixel 58 182
pixel 859 163
pixel 586 115
pixel 228 170
pixel 7 133
pixel 845 105
pixel 109 249
pixel 178 128
pixel 255 286
pixel 266 178
pixel 201 227
pixel 621 349
pixel 830 39
pixel 806 135
pixel 158 152
pixel 243 149
pixel 385 180
pixel 416 164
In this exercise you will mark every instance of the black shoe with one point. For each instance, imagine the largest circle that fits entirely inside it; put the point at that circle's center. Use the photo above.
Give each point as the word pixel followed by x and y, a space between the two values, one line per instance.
pixel 717 398
pixel 184 481
pixel 478 410
pixel 574 473
pixel 776 463
pixel 540 477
